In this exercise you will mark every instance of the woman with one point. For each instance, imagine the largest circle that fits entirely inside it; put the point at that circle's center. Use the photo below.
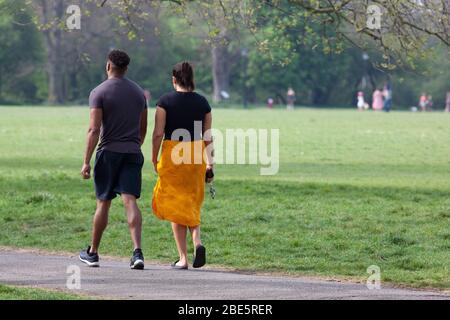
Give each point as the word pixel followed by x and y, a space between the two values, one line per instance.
pixel 360 100
pixel 290 99
pixel 423 102
pixel 377 100
pixel 183 119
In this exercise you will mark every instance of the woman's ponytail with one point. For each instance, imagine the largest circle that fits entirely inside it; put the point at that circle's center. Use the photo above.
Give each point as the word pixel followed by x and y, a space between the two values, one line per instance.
pixel 184 75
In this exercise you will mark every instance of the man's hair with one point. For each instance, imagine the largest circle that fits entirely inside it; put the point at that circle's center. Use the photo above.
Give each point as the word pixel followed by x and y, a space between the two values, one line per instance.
pixel 119 59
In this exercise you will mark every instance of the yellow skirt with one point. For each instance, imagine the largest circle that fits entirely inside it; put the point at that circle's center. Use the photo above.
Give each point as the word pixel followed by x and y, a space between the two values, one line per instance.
pixel 180 189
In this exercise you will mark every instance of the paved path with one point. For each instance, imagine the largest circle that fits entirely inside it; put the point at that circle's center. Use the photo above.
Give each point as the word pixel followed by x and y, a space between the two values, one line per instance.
pixel 115 280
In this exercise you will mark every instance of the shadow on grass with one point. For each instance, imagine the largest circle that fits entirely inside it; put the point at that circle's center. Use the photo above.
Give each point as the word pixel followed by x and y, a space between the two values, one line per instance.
pixel 308 228
pixel 63 184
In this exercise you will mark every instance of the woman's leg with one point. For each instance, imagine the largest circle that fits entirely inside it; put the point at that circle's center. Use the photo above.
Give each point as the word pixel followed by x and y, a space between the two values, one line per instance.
pixel 200 250
pixel 195 231
pixel 180 232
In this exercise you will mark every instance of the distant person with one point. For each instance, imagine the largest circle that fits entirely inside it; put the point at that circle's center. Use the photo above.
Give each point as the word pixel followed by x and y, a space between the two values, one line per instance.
pixel 360 101
pixel 423 102
pixel 430 102
pixel 290 99
pixel 148 96
pixel 377 100
pixel 182 122
pixel 119 119
pixel 387 94
pixel 270 103
pixel 447 102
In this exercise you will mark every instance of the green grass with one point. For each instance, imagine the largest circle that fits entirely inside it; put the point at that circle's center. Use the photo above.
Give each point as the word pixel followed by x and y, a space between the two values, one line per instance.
pixel 20 293
pixel 354 190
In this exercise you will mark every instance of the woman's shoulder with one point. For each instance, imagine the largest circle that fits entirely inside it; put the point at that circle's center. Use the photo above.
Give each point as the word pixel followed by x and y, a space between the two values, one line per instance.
pixel 202 98
pixel 199 96
pixel 204 102
pixel 165 100
pixel 168 95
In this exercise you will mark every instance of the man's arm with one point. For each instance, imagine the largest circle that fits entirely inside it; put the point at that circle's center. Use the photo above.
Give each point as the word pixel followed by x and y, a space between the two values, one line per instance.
pixel 158 134
pixel 93 135
pixel 143 129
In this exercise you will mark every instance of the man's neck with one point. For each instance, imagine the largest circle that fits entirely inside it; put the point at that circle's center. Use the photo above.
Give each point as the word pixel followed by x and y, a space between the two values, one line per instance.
pixel 115 76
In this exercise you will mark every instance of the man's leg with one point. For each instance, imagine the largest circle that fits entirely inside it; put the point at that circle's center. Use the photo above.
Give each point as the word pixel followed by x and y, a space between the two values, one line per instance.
pixel 134 218
pixel 100 223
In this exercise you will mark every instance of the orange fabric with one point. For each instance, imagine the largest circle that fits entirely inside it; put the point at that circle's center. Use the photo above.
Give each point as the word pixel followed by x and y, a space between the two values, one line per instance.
pixel 180 189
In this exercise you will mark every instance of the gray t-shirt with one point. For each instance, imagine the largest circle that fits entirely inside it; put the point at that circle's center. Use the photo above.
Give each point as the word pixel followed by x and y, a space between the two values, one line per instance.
pixel 122 102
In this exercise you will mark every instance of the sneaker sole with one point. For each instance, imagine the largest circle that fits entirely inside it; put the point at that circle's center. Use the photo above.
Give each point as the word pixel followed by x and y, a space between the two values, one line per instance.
pixel 138 265
pixel 200 257
pixel 90 264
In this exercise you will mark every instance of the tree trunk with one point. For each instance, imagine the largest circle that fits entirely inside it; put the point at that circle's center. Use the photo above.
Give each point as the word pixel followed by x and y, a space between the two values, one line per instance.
pixel 220 70
pixel 55 54
pixel 55 76
pixel 220 57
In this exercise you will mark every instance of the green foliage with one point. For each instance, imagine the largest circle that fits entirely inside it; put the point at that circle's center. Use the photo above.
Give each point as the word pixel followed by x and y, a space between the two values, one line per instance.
pixel 154 58
pixel 20 55
pixel 433 80
pixel 287 46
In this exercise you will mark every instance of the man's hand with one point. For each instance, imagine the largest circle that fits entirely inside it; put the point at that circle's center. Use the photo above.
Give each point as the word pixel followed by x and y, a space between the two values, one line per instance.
pixel 92 137
pixel 86 171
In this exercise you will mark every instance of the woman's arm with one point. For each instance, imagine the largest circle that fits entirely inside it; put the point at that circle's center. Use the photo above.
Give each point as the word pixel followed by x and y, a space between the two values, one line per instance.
pixel 207 137
pixel 158 134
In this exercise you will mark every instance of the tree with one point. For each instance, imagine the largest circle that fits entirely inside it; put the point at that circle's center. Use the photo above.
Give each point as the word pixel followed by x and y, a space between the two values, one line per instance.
pixel 400 30
pixel 19 55
pixel 210 21
pixel 252 49
pixel 49 12
pixel 407 30
pixel 68 51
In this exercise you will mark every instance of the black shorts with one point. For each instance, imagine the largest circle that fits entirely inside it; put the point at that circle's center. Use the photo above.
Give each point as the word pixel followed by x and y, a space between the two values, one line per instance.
pixel 116 173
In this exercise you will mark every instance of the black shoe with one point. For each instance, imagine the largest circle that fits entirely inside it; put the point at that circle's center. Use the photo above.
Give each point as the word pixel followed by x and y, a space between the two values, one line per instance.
pixel 200 257
pixel 137 260
pixel 176 267
pixel 91 259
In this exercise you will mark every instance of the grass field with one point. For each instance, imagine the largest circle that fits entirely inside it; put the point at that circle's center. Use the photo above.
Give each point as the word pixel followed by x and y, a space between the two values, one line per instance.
pixel 354 190
pixel 18 293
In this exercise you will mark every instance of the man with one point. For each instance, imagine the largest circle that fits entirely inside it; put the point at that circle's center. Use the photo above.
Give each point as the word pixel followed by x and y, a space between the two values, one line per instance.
pixel 118 116
pixel 387 94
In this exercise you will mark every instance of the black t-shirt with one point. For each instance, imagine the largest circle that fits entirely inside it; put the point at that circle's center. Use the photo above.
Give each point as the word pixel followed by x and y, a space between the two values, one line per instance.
pixel 185 113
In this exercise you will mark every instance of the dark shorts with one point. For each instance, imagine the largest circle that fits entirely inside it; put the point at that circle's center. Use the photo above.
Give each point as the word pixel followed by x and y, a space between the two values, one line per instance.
pixel 116 173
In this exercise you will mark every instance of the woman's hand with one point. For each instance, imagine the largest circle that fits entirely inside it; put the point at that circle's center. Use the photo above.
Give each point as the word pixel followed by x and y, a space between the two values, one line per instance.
pixel 210 167
pixel 155 165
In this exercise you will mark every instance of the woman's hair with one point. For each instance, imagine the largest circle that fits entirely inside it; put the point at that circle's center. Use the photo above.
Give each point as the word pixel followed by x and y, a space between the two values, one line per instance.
pixel 184 75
